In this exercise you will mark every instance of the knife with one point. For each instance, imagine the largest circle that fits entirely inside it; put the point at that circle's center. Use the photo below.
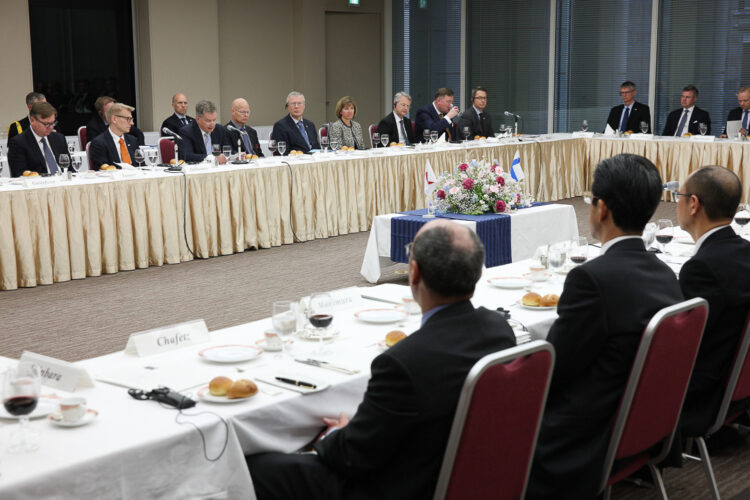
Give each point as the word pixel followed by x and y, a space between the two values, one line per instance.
pixel 325 364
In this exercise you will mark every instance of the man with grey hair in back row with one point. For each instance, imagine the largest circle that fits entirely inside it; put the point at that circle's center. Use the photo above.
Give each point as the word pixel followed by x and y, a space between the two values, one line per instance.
pixel 201 135
pixel 397 125
pixel 297 132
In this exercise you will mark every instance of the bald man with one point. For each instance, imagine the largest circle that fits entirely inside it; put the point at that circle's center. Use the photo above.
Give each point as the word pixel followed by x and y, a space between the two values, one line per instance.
pixel 401 427
pixel 179 118
pixel 247 137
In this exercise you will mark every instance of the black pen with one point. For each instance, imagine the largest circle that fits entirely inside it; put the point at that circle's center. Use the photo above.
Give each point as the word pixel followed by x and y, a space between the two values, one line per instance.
pixel 298 383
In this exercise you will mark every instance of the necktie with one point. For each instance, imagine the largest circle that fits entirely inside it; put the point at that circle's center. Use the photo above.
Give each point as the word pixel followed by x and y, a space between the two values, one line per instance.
pixel 682 123
pixel 207 142
pixel 184 121
pixel 124 152
pixel 624 122
pixel 482 126
pixel 301 128
pixel 744 119
pixel 49 157
pixel 403 131
pixel 248 149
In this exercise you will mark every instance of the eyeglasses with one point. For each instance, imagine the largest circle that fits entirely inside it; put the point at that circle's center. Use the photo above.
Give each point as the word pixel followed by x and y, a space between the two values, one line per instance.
pixel 47 124
pixel 128 118
pixel 480 98
pixel 626 92
pixel 408 248
pixel 589 198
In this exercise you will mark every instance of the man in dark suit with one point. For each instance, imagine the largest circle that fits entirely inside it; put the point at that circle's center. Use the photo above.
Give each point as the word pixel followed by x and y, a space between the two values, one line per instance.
pixel 299 133
pixel 689 117
pixel 720 273
pixel 179 118
pixel 98 124
pixel 629 115
pixel 18 127
pixel 603 310
pixel 202 134
pixel 397 125
pixel 39 147
pixel 114 145
pixel 476 119
pixel 393 446
pixel 740 113
pixel 438 116
pixel 247 138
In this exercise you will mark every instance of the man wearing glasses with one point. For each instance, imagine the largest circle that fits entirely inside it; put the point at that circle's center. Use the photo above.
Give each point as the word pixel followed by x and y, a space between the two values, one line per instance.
pixel 114 145
pixel 629 115
pixel 247 137
pixel 39 146
pixel 299 133
pixel 476 118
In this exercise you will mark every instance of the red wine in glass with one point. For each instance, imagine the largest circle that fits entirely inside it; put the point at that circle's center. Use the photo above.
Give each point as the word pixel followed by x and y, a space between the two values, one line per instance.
pixel 320 320
pixel 663 238
pixel 742 219
pixel 20 405
pixel 578 259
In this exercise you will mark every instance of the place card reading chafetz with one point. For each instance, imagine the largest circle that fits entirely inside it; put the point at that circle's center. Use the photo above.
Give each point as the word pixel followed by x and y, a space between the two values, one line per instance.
pixel 168 338
pixel 57 373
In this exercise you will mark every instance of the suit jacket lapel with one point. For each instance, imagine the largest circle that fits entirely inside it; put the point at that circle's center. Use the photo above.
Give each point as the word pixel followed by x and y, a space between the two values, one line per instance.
pixel 35 150
pixel 295 130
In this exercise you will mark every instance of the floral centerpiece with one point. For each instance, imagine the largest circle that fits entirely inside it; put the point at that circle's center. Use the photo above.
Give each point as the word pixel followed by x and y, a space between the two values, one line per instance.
pixel 479 187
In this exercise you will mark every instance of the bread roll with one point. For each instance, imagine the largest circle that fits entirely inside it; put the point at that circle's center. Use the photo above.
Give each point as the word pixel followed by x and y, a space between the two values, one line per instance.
pixel 173 162
pixel 394 337
pixel 549 300
pixel 219 386
pixel 242 388
pixel 30 173
pixel 531 299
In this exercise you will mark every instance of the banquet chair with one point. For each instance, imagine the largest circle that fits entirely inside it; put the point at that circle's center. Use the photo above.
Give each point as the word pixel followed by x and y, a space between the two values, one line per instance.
pixel 322 132
pixel 166 149
pixel 82 137
pixel 88 156
pixel 650 407
pixel 737 391
pixel 495 428
pixel 373 128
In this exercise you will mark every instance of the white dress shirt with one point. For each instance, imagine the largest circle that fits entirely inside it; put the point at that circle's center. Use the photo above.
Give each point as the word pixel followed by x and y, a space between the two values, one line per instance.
pixel 39 140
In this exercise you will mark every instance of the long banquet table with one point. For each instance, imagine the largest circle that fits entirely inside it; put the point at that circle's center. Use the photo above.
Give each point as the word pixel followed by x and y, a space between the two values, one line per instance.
pixel 57 230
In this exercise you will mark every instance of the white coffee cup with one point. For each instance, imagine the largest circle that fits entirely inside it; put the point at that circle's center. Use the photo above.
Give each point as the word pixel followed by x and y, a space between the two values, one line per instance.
pixel 73 409
pixel 537 273
pixel 273 341
pixel 410 305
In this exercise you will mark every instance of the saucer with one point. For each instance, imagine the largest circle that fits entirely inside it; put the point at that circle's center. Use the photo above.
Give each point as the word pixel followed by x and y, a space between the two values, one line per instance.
pixel 545 277
pixel 381 316
pixel 318 334
pixel 230 353
pixel 88 417
pixel 510 282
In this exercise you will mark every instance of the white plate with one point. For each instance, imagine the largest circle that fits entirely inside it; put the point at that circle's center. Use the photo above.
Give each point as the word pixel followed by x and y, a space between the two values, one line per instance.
pixel 44 407
pixel 205 395
pixel 87 418
pixel 381 316
pixel 234 353
pixel 685 240
pixel 545 277
pixel 510 282
pixel 536 308
pixel 320 385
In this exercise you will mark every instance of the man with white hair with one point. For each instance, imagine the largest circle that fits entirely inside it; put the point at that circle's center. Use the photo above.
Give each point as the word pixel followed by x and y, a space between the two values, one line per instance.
pixel 397 125
pixel 299 133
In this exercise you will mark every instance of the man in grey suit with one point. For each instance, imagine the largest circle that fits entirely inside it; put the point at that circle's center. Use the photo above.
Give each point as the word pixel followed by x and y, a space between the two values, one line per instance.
pixel 475 118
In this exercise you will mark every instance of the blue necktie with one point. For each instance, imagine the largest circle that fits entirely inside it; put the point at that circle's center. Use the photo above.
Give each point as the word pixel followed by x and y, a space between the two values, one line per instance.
pixel 49 157
pixel 744 119
pixel 682 124
pixel 207 142
pixel 301 129
pixel 247 142
pixel 624 122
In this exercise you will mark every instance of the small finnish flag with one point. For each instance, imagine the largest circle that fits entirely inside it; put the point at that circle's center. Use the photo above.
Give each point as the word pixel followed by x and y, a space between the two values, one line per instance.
pixel 429 179
pixel 515 168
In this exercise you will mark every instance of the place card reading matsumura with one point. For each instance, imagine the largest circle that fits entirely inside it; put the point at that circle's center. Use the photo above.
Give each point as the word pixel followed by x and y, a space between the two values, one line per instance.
pixel 168 338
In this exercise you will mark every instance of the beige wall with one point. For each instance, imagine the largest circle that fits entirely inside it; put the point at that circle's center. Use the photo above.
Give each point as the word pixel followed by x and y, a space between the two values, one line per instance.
pixel 15 58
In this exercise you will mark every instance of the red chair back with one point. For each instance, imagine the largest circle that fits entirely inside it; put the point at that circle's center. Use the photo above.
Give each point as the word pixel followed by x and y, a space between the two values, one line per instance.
pixel 738 384
pixel 166 149
pixel 323 131
pixel 495 428
pixel 373 128
pixel 652 401
pixel 82 137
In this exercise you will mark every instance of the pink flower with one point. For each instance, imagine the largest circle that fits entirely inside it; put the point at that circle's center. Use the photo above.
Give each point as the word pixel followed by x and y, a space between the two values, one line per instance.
pixel 518 198
pixel 500 180
pixel 499 206
pixel 462 167
pixel 468 183
pixel 494 189
pixel 454 190
pixel 440 194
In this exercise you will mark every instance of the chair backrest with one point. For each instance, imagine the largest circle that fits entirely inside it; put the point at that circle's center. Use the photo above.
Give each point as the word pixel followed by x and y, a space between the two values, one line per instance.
pixel 166 149
pixel 373 128
pixel 651 404
pixel 738 384
pixel 495 428
pixel 82 137
pixel 322 132
pixel 88 156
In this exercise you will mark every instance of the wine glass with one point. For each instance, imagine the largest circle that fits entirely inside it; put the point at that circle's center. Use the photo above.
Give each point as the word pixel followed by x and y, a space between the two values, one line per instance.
pixel 281 147
pixel 324 143
pixel 702 128
pixel 319 315
pixel 138 156
pixel 466 131
pixel 556 257
pixel 64 161
pixel 284 319
pixel 584 126
pixel 76 165
pixel 664 233
pixel 227 151
pixel 649 234
pixel 151 157
pixel 216 150
pixel 644 127
pixel 742 217
pixel 334 145
pixel 384 139
pixel 375 140
pixel 20 396
pixel 579 250
pixel 426 135
pixel 272 146
pixel 71 148
pixel 433 136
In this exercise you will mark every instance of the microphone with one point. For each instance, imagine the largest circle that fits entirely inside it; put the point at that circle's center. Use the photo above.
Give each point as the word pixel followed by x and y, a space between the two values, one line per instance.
pixel 166 131
pixel 671 186
pixel 235 129
pixel 508 113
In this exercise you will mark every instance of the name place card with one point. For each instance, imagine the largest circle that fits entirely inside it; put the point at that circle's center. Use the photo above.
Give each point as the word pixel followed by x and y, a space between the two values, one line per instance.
pixel 344 298
pixel 58 374
pixel 702 138
pixel 642 137
pixel 581 133
pixel 167 338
